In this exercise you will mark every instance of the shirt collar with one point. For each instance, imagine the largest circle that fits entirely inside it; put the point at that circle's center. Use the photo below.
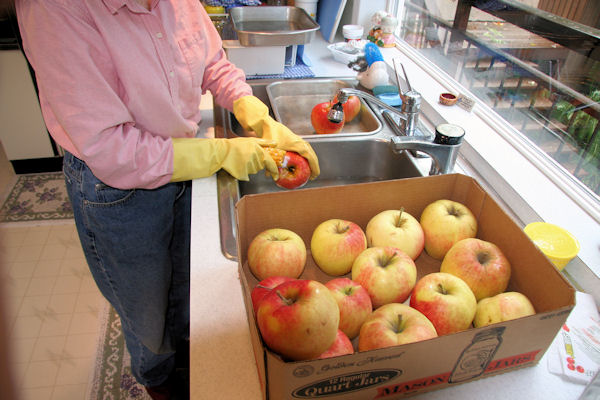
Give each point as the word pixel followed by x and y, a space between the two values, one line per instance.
pixel 115 5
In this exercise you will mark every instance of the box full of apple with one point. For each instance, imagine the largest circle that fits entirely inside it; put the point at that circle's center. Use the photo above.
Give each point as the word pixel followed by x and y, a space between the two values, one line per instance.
pixel 449 303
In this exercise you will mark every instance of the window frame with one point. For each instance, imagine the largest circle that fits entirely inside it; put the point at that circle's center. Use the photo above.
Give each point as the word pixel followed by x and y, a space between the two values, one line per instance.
pixel 472 161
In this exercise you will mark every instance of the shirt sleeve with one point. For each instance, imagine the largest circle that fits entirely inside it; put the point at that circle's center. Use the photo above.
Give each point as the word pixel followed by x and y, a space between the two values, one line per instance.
pixel 80 91
pixel 223 79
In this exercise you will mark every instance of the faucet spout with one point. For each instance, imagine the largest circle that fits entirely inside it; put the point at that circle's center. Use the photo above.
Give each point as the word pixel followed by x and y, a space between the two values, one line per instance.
pixel 409 112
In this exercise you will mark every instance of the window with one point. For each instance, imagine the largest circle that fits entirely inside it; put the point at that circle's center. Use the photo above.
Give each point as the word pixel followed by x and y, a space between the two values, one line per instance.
pixel 535 62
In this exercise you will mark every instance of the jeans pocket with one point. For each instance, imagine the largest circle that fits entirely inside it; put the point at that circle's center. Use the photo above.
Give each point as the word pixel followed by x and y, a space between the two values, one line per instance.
pixel 105 196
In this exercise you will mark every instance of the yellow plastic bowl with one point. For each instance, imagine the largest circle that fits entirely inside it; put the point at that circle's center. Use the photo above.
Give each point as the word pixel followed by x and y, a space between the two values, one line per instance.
pixel 559 245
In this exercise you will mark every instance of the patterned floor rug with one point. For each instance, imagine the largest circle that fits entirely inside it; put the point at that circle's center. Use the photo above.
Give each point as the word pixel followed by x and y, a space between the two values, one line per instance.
pixel 37 197
pixel 43 197
pixel 112 374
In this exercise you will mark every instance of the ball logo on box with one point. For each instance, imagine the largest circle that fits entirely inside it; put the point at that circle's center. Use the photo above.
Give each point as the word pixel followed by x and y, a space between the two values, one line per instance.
pixel 345 383
pixel 476 357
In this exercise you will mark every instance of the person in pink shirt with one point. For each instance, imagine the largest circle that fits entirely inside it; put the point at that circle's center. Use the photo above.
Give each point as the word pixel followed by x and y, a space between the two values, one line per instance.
pixel 120 83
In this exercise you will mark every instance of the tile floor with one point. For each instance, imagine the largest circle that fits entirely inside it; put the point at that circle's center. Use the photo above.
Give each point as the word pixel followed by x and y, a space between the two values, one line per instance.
pixel 53 310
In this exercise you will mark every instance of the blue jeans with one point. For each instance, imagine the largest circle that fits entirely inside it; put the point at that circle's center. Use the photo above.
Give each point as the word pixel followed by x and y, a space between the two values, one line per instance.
pixel 137 245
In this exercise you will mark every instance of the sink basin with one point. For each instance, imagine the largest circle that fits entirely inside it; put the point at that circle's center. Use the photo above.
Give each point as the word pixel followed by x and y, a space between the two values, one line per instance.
pixel 366 160
pixel 343 160
pixel 292 102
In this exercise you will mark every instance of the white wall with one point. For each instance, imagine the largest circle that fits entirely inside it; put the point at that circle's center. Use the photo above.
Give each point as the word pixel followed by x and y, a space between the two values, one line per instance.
pixel 22 129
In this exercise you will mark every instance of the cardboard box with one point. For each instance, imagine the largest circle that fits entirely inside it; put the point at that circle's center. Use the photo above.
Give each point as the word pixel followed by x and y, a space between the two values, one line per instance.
pixel 413 368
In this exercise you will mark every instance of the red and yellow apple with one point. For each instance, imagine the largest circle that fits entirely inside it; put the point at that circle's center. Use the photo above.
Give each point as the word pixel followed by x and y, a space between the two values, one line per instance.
pixel 277 252
pixel 394 324
pixel 388 274
pixel 264 287
pixel 351 107
pixel 294 170
pixel 299 319
pixel 335 244
pixel 446 300
pixel 502 307
pixel 340 347
pixel 444 223
pixel 396 228
pixel 354 303
pixel 321 124
pixel 481 264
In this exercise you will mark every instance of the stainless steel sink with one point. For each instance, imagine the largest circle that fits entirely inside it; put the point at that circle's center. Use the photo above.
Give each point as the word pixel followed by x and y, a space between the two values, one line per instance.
pixel 343 160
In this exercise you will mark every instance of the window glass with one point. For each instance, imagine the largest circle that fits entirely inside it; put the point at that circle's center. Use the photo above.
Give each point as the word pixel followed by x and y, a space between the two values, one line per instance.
pixel 535 62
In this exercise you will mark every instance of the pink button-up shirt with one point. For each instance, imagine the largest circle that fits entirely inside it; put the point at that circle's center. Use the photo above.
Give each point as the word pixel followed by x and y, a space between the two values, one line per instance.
pixel 118 81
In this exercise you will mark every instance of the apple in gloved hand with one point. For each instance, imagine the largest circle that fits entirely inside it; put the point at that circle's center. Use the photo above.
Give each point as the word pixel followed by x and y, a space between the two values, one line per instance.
pixel 294 170
pixel 320 122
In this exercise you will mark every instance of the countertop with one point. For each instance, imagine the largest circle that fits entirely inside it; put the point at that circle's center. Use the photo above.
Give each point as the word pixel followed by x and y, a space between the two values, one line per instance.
pixel 222 364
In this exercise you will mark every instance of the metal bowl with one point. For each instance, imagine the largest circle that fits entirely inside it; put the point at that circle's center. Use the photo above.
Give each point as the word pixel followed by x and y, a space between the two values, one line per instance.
pixel 272 26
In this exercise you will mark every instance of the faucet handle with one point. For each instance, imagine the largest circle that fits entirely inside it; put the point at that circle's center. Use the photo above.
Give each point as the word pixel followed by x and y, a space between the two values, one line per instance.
pixel 398 78
pixel 411 99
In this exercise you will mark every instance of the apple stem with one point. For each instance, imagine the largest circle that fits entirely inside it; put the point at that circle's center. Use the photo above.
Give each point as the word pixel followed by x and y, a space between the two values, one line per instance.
pixel 342 228
pixel 399 326
pixel 277 239
pixel 399 219
pixel 288 302
pixel 452 210
pixel 441 289
pixel 386 260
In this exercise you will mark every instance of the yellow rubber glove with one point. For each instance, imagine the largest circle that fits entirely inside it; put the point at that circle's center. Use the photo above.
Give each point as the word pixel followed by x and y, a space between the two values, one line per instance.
pixel 253 115
pixel 198 158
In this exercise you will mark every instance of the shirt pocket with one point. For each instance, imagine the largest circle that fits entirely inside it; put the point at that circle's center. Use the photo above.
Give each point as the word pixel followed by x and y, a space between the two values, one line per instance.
pixel 193 55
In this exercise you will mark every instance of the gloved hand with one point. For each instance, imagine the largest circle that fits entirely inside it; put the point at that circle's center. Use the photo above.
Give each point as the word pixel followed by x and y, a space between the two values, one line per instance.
pixel 253 115
pixel 198 158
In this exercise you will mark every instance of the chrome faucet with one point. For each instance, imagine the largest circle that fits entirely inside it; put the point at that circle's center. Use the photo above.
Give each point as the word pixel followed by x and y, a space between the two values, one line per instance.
pixel 443 150
pixel 408 113
pixel 444 147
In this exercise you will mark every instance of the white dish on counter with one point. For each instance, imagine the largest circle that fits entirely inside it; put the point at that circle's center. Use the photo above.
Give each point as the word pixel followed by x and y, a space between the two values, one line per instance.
pixel 346 52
